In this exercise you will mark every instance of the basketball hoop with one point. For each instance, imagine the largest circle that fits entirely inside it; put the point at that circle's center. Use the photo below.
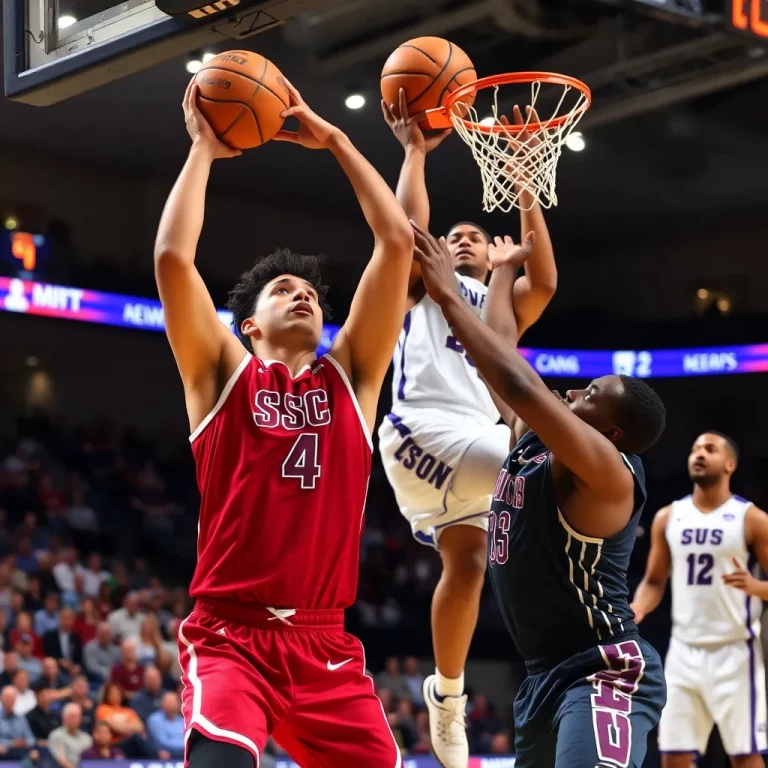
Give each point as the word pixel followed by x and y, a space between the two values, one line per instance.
pixel 515 159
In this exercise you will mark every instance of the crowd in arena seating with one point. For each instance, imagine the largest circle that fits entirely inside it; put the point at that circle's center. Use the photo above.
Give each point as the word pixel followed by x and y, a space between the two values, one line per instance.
pixel 94 528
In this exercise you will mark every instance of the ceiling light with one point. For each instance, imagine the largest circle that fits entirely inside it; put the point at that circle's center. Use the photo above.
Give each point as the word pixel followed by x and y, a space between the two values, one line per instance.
pixel 207 57
pixel 355 101
pixel 66 21
pixel 488 121
pixel 724 305
pixel 576 142
pixel 194 66
pixel 32 361
pixel 11 222
pixel 702 293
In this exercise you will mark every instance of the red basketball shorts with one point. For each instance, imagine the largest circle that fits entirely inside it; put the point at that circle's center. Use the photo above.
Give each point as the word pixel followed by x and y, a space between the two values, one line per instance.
pixel 300 677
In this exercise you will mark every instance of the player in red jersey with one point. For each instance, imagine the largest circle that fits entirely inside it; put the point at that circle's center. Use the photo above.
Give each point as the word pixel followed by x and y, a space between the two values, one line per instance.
pixel 282 444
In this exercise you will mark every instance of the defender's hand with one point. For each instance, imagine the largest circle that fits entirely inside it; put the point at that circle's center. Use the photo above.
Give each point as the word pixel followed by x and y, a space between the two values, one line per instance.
pixel 406 126
pixel 199 129
pixel 314 132
pixel 639 615
pixel 437 269
pixel 505 251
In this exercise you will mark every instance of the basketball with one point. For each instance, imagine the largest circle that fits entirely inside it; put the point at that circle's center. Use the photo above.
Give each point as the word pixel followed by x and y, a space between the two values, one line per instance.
pixel 427 69
pixel 242 95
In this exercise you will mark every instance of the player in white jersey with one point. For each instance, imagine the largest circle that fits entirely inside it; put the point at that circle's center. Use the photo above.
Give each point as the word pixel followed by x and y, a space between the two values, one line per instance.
pixel 441 445
pixel 714 668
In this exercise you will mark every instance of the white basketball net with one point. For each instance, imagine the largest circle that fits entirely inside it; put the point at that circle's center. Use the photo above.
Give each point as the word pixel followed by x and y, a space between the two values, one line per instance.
pixel 513 163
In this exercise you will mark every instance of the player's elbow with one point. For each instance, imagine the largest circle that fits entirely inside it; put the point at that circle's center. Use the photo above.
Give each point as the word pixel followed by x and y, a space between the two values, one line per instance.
pixel 397 238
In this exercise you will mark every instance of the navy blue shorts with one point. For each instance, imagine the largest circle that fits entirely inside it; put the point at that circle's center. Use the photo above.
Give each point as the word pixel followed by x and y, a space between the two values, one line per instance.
pixel 594 709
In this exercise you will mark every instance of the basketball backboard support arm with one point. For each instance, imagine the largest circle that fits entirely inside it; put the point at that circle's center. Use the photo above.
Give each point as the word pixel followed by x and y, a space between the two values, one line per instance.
pixel 44 66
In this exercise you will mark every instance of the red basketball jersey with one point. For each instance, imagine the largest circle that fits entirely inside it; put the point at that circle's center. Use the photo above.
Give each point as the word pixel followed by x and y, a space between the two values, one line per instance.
pixel 282 466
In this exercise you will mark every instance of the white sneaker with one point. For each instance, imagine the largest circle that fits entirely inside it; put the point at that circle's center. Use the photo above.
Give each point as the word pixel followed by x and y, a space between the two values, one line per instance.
pixel 447 730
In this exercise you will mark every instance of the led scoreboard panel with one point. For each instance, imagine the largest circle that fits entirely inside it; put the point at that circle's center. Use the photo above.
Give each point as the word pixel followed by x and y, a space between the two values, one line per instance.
pixel 750 16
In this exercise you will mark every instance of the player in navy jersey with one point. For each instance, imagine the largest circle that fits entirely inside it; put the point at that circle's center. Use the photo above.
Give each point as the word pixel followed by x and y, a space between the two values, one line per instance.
pixel 563 520
pixel 282 446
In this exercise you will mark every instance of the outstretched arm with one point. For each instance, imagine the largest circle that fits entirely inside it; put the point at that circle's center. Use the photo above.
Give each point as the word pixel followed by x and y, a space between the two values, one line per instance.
pixel 650 591
pixel 365 344
pixel 412 185
pixel 756 533
pixel 534 290
pixel 206 352
pixel 589 455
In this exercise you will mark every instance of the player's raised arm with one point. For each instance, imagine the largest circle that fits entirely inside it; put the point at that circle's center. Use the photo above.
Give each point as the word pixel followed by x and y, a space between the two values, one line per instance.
pixel 365 344
pixel 756 535
pixel 650 591
pixel 534 290
pixel 588 454
pixel 198 339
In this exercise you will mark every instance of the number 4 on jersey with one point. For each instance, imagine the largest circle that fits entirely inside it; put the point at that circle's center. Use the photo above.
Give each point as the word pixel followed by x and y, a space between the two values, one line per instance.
pixel 301 462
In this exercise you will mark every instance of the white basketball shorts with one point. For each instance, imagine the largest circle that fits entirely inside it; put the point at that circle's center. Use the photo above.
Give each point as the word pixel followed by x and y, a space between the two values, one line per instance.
pixel 723 685
pixel 442 468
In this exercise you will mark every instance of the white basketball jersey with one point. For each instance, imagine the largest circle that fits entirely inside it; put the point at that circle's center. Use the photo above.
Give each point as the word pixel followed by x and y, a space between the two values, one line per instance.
pixel 432 369
pixel 705 611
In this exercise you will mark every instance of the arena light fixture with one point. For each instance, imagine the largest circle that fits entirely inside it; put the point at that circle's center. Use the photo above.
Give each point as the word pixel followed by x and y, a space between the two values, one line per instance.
pixel 354 101
pixel 32 361
pixel 576 142
pixel 10 222
pixel 207 57
pixel 702 294
pixel 66 21
pixel 194 66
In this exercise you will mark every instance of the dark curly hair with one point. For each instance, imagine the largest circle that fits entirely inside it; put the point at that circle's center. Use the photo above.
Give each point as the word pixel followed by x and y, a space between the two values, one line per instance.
pixel 283 261
pixel 641 415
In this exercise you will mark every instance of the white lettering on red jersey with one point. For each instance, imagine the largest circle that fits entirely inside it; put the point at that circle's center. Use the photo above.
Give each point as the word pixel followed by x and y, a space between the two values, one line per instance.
pixel 283 466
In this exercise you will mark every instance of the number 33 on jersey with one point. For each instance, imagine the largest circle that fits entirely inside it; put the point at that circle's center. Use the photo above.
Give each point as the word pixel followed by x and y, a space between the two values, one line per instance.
pixel 277 459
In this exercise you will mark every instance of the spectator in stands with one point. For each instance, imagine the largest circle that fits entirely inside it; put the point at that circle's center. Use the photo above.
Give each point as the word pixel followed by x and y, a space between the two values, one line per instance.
pixel 102 748
pixel 104 605
pixel 483 724
pixel 94 575
pixel 55 680
pixel 16 738
pixel 26 660
pixel 6 587
pixel 423 745
pixel 406 723
pixel 128 673
pixel 126 621
pixel 101 654
pixel 25 557
pixel 17 606
pixel 387 701
pixel 68 742
pixel 147 701
pixel 64 645
pixel 166 728
pixel 48 583
pixel 168 666
pixel 80 695
pixel 393 680
pixel 414 679
pixel 87 621
pixel 150 640
pixel 33 597
pixel 64 571
pixel 42 719
pixel 124 723
pixel 10 661
pixel 500 744
pixel 23 626
pixel 26 700
pixel 47 618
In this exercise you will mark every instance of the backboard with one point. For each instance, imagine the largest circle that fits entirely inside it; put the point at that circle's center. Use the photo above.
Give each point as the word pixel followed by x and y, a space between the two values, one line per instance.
pixel 55 49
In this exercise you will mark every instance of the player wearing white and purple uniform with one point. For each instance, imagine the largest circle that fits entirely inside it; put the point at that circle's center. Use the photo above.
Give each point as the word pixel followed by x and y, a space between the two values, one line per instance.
pixel 709 542
pixel 441 445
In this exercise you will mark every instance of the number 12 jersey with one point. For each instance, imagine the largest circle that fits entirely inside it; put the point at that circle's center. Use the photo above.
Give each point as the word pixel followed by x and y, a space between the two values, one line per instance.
pixel 705 611
pixel 282 465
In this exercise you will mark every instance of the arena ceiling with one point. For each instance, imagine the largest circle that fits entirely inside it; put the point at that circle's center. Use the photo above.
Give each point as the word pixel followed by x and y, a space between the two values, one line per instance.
pixel 679 127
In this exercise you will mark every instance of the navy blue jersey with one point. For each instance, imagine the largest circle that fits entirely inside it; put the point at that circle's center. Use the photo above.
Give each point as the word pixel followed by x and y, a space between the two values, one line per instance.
pixel 559 592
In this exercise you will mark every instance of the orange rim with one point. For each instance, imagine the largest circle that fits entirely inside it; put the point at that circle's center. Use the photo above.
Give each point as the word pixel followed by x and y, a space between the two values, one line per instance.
pixel 439 118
